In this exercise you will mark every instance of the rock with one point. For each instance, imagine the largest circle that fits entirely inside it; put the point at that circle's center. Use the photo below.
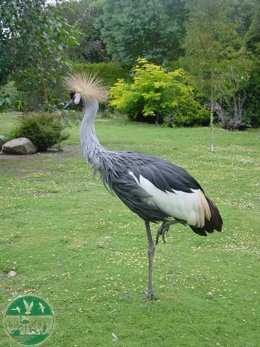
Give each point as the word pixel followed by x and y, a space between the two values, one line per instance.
pixel 11 274
pixel 21 145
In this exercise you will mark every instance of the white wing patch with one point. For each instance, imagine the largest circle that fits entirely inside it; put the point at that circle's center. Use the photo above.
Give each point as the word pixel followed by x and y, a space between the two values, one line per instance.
pixel 190 207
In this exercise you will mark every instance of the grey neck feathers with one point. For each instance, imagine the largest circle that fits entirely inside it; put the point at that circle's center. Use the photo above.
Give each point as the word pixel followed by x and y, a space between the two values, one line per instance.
pixel 92 151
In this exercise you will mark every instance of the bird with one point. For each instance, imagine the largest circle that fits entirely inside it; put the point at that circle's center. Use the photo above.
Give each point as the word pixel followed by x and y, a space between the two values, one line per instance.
pixel 17 308
pixel 28 307
pixel 42 307
pixel 157 190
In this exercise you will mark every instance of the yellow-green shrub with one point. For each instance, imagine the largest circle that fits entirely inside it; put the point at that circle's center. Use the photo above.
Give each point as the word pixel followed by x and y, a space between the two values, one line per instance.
pixel 153 91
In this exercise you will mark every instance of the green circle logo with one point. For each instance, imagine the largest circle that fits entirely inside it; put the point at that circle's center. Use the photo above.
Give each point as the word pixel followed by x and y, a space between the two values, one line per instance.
pixel 29 320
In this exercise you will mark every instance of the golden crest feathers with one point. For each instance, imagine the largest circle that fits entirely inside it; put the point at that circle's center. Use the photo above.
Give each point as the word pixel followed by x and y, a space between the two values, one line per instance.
pixel 89 86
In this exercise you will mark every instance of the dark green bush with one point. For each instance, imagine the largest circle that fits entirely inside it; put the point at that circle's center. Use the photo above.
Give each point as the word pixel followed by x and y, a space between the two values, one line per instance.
pixel 10 97
pixel 109 72
pixel 44 130
pixel 251 106
pixel 187 114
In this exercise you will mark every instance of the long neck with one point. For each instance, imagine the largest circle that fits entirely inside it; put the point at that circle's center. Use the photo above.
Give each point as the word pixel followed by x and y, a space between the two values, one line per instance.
pixel 92 151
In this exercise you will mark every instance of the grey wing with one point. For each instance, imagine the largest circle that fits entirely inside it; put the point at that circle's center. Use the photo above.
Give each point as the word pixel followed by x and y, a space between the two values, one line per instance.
pixel 136 198
pixel 166 176
pixel 124 171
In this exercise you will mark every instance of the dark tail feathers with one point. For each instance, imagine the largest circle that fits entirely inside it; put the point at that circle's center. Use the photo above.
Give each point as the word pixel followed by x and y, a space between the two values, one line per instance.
pixel 215 222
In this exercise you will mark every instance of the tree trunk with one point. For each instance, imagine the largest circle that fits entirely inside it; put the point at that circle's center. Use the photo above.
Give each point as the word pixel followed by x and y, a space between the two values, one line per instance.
pixel 238 108
pixel 212 147
pixel 227 122
pixel 44 90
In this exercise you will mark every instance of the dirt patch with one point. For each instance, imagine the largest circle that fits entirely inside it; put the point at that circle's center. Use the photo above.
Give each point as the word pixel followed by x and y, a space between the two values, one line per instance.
pixel 4 156
pixel 66 150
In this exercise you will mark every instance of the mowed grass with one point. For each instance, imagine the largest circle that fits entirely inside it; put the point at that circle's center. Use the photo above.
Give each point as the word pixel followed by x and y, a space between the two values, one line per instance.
pixel 77 246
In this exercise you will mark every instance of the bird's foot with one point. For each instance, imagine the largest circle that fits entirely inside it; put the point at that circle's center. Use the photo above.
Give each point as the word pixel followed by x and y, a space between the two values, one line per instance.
pixel 162 231
pixel 150 296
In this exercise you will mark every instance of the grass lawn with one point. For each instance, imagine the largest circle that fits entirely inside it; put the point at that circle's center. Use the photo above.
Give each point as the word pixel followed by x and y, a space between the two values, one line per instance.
pixel 79 248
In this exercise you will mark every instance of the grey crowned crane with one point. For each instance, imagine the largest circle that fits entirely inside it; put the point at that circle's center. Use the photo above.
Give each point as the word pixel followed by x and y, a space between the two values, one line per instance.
pixel 153 188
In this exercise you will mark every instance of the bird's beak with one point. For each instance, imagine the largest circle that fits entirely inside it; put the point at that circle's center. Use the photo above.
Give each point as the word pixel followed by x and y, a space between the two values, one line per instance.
pixel 68 105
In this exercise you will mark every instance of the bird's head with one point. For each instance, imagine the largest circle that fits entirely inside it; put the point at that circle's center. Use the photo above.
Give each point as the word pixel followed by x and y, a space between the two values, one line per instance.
pixel 86 88
pixel 75 99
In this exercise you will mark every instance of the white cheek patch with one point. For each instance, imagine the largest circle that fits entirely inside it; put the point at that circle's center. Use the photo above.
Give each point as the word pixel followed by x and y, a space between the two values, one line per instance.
pixel 190 207
pixel 77 98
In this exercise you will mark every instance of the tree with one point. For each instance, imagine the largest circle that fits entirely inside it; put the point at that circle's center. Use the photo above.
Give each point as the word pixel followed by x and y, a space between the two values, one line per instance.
pixel 203 47
pixel 33 42
pixel 252 90
pixel 84 16
pixel 142 28
pixel 215 55
pixel 236 69
pixel 240 64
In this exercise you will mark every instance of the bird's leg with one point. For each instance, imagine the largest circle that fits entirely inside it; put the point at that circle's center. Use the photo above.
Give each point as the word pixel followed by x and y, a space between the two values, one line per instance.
pixel 165 227
pixel 151 249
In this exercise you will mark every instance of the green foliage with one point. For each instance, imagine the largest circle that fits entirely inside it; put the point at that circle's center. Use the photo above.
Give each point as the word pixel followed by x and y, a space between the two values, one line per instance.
pixel 10 97
pixel 41 40
pixel 151 29
pixel 252 89
pixel 216 54
pixel 167 96
pixel 109 72
pixel 251 109
pixel 34 40
pixel 84 16
pixel 188 112
pixel 44 130
pixel 205 42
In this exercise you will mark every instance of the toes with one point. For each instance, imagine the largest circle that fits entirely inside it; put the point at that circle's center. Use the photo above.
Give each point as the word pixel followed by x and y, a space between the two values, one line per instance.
pixel 150 297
